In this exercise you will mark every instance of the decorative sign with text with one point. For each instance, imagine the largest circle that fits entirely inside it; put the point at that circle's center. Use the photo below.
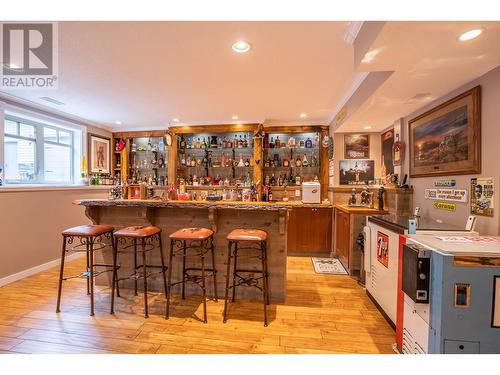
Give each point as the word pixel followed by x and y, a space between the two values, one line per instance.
pixel 482 196
pixel 445 206
pixel 447 195
pixel 445 183
pixel 383 249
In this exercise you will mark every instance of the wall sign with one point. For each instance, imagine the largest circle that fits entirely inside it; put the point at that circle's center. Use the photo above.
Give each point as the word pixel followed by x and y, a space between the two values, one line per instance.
pixel 445 206
pixel 482 196
pixel 447 195
pixel 445 183
pixel 383 248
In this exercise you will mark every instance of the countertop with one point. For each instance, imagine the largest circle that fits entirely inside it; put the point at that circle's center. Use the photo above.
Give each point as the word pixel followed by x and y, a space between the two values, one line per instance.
pixel 479 246
pixel 400 223
pixel 266 206
pixel 360 210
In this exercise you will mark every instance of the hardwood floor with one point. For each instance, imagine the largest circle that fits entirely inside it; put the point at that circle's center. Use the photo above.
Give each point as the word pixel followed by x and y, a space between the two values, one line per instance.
pixel 322 314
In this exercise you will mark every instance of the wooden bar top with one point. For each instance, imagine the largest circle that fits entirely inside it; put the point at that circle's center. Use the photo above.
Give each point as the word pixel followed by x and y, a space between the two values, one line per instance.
pixel 360 210
pixel 264 206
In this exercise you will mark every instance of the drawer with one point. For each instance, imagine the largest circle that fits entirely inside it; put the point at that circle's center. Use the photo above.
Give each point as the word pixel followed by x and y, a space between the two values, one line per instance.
pixel 461 347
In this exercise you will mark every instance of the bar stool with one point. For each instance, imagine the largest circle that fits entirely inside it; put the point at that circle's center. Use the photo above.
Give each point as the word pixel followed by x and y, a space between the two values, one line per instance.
pixel 146 236
pixel 90 238
pixel 249 237
pixel 201 241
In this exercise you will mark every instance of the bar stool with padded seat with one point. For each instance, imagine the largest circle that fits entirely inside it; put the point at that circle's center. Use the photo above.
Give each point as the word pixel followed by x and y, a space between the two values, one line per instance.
pixel 245 277
pixel 146 236
pixel 89 236
pixel 201 240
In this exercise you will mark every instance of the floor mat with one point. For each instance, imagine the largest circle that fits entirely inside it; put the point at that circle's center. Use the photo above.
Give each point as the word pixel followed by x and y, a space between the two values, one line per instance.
pixel 331 266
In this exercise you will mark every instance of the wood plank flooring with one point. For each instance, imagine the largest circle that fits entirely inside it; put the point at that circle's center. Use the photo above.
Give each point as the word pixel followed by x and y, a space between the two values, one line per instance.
pixel 322 314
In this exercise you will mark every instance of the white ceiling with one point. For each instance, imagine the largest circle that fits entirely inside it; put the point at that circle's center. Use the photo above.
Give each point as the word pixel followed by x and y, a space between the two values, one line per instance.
pixel 144 74
pixel 427 61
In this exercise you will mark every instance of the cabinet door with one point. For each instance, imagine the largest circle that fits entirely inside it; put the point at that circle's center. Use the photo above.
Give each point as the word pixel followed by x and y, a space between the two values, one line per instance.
pixel 342 237
pixel 321 230
pixel 309 231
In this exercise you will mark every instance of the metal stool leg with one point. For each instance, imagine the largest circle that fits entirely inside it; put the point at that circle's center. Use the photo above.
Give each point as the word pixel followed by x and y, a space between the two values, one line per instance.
pixel 145 278
pixel 114 281
pixel 264 280
pixel 203 287
pixel 61 275
pixel 87 269
pixel 135 266
pixel 229 250
pixel 235 255
pixel 184 270
pixel 90 246
pixel 162 265
pixel 169 279
pixel 212 248
pixel 117 282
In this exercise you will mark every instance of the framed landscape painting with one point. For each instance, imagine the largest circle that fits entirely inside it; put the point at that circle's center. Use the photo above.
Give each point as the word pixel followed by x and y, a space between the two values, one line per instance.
pixel 99 154
pixel 356 146
pixel 447 139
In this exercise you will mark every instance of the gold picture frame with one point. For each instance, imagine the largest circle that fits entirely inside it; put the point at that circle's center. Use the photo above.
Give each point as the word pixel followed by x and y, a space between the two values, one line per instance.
pixel 446 140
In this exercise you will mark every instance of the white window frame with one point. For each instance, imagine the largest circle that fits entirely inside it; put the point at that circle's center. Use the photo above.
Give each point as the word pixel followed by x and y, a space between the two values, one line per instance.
pixel 78 132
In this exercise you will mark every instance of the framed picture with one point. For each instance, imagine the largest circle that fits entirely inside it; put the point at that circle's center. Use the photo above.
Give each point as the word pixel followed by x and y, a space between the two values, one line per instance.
pixel 99 153
pixel 482 196
pixel 447 139
pixel 387 164
pixel 356 146
pixel 356 172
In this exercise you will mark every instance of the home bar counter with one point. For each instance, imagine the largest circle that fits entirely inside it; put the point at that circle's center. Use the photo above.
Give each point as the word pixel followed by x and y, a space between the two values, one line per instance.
pixel 221 217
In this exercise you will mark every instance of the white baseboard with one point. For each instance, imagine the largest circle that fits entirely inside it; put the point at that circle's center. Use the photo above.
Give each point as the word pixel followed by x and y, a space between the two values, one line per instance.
pixel 37 269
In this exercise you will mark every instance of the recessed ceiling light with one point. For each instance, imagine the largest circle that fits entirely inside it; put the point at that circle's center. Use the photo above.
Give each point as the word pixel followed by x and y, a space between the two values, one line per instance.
pixel 471 34
pixel 367 127
pixel 118 122
pixel 241 46
pixel 175 120
pixel 235 117
pixel 303 115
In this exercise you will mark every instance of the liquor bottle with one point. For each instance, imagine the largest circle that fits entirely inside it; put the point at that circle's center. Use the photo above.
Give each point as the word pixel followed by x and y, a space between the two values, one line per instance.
pixel 271 144
pixel 305 163
pixel 298 162
pixel 161 162
pixel 204 143
pixel 241 162
pixel 269 195
pixel 272 181
pixel 240 142
pixel 397 151
pixel 247 163
pixel 266 141
pixel 183 160
pixel 263 196
pixel 308 143
pixel 280 180
pixel 188 142
pixel 291 142
pixel 149 147
pixel 245 142
pixel 188 161
pixel 223 160
pixel 161 145
pixel 298 180
pixel 266 163
pixel 286 163
pixel 134 147
pixel 267 180
pixel 277 143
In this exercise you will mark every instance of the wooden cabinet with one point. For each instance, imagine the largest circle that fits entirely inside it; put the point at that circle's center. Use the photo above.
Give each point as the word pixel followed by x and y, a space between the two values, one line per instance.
pixel 309 231
pixel 349 222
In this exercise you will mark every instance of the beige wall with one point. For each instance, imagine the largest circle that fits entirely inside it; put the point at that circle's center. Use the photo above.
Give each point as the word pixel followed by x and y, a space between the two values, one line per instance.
pixel 31 223
pixel 490 150
pixel 338 153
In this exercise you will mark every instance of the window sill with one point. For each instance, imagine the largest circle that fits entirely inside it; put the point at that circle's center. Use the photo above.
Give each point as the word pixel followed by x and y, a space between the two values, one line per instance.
pixel 28 188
